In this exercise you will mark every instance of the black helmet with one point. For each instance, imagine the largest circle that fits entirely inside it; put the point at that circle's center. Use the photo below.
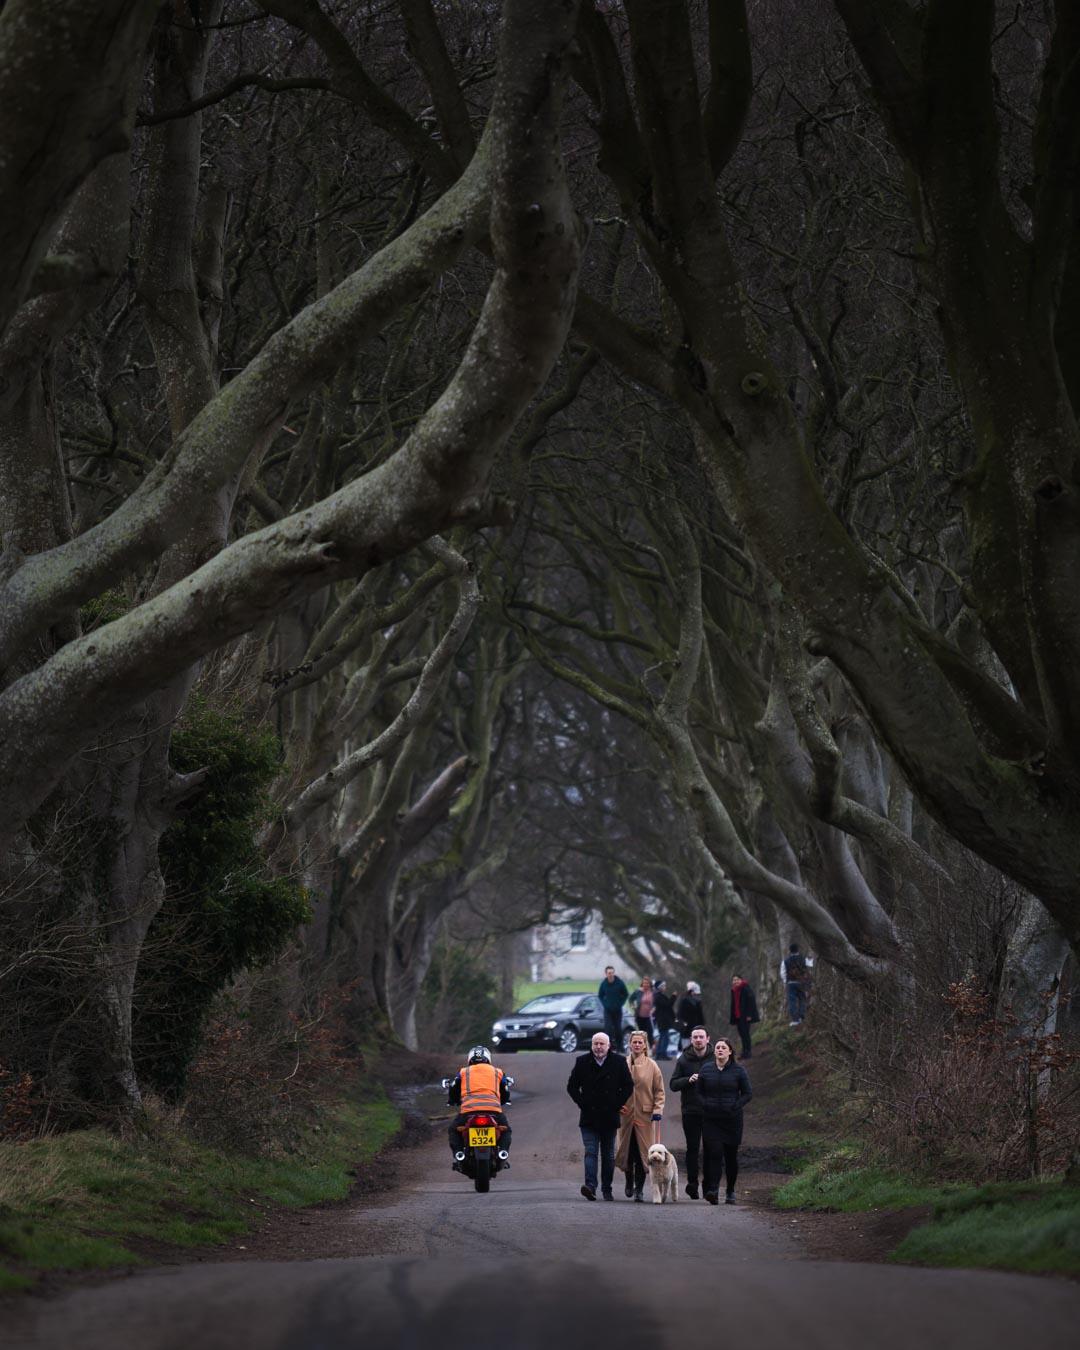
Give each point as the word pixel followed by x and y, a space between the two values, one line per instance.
pixel 479 1054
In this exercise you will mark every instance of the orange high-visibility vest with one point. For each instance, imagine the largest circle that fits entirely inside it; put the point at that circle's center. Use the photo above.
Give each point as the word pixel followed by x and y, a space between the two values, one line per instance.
pixel 480 1085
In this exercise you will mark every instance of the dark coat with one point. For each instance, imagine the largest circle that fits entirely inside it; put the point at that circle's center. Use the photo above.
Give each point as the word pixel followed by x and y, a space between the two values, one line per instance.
pixel 724 1093
pixel 747 1006
pixel 600 1090
pixel 690 1013
pixel 663 1011
pixel 689 1063
pixel 612 993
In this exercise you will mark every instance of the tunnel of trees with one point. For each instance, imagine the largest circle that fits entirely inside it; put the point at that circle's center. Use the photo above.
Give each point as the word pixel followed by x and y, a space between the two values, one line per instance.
pixel 466 462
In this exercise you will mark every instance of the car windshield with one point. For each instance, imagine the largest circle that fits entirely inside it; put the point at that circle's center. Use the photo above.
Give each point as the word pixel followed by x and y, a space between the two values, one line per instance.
pixel 554 1003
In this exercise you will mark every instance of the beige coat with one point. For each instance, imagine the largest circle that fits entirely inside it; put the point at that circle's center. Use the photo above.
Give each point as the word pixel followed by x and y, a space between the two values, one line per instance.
pixel 647 1101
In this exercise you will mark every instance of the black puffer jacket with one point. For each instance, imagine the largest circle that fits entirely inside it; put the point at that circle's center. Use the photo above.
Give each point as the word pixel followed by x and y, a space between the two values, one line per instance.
pixel 689 1062
pixel 723 1092
pixel 689 1013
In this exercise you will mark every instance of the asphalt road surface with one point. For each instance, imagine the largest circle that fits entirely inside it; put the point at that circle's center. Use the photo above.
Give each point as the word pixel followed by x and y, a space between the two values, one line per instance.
pixel 532 1264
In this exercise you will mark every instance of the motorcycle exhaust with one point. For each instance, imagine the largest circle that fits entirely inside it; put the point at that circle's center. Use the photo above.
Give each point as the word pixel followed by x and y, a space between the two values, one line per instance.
pixel 503 1155
pixel 459 1157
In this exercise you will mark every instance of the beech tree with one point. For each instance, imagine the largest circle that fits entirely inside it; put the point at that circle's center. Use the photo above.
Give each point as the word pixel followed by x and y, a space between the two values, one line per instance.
pixel 303 407
pixel 991 755
pixel 64 691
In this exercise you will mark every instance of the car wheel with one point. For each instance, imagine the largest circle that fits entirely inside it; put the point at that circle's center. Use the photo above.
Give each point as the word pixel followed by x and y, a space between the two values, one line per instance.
pixel 568 1040
pixel 626 1042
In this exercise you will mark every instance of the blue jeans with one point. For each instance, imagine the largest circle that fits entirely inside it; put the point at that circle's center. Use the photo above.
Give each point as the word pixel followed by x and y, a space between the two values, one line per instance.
pixel 602 1142
pixel 796 1001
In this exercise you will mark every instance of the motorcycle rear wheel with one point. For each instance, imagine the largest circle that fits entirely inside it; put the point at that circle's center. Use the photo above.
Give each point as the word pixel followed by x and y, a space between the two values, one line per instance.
pixel 482 1169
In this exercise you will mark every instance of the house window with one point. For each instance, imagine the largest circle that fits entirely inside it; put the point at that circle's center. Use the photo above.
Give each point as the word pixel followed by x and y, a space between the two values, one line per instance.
pixel 577 935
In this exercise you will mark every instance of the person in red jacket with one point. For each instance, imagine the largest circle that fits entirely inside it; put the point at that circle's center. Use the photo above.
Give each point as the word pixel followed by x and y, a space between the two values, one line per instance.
pixel 743 1011
pixel 479 1086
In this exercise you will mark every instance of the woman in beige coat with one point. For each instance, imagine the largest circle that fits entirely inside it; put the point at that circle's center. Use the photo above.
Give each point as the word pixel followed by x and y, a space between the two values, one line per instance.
pixel 641 1115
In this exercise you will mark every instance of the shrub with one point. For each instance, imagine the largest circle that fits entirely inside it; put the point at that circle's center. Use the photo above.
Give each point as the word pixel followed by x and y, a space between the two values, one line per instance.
pixel 458 1000
pixel 262 1073
pixel 948 1089
pixel 224 910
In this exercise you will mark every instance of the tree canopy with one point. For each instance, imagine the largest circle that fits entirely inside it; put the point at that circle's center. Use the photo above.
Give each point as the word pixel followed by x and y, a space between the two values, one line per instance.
pixel 620 454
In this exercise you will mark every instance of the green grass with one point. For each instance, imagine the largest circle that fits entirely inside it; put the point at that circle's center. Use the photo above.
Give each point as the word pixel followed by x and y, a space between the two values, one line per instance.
pixel 1024 1226
pixel 76 1201
pixel 835 1182
pixel 525 989
pixel 1002 1227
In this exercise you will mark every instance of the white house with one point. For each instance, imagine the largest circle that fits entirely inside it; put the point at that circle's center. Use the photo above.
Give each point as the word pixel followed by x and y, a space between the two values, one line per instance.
pixel 573 948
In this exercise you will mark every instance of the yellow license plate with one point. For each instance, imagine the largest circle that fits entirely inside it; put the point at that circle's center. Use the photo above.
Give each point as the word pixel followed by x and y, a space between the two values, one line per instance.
pixel 482 1137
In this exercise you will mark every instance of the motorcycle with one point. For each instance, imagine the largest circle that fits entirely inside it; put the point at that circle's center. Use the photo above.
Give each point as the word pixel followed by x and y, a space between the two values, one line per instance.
pixel 480 1158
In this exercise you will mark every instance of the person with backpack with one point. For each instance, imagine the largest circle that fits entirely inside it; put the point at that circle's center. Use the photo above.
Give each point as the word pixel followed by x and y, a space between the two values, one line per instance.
pixel 796 976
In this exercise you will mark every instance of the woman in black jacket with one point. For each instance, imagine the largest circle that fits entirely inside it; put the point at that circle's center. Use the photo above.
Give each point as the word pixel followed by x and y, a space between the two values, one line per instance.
pixel 724 1089
pixel 689 1013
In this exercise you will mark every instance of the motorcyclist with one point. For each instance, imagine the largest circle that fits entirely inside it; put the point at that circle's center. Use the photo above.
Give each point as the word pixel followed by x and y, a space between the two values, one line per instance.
pixel 479 1086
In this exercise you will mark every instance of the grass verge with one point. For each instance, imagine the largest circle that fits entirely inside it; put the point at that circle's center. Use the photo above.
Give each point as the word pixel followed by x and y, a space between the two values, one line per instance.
pixel 527 989
pixel 1004 1227
pixel 1022 1226
pixel 835 1181
pixel 83 1200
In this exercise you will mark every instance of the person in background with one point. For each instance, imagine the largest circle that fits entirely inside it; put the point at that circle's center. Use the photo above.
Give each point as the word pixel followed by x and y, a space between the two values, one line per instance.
pixel 612 994
pixel 642 1001
pixel 724 1087
pixel 684 1080
pixel 743 1011
pixel 641 1116
pixel 600 1084
pixel 795 973
pixel 689 1013
pixel 664 1013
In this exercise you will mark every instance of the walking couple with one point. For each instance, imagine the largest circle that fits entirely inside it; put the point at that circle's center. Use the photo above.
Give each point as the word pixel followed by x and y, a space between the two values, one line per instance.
pixel 621 1101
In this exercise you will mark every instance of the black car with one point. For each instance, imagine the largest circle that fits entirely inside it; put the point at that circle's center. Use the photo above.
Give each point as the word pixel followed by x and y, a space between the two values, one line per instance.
pixel 565 1022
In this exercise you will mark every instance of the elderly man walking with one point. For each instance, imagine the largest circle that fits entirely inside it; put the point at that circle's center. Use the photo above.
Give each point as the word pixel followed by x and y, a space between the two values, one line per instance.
pixel 599 1084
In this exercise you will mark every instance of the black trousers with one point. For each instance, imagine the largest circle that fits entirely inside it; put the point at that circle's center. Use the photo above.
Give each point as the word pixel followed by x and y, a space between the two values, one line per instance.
pixel 691 1127
pixel 721 1156
pixel 457 1140
pixel 744 1036
pixel 613 1027
pixel 635 1166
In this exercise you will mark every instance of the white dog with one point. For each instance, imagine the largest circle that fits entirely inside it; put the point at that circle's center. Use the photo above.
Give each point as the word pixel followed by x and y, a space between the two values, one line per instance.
pixel 664 1172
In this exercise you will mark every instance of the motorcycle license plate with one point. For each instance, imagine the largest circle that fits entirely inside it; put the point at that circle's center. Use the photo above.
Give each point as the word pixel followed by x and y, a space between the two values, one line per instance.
pixel 482 1136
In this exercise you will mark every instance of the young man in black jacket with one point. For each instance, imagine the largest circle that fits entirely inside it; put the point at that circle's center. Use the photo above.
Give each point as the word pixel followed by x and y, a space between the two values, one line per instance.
pixel 599 1084
pixel 684 1079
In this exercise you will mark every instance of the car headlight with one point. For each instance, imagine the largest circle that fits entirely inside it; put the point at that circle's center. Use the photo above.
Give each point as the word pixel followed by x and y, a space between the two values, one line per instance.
pixel 498 1026
pixel 549 1026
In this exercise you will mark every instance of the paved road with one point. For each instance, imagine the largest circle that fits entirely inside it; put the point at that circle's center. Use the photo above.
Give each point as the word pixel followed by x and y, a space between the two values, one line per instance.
pixel 532 1264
